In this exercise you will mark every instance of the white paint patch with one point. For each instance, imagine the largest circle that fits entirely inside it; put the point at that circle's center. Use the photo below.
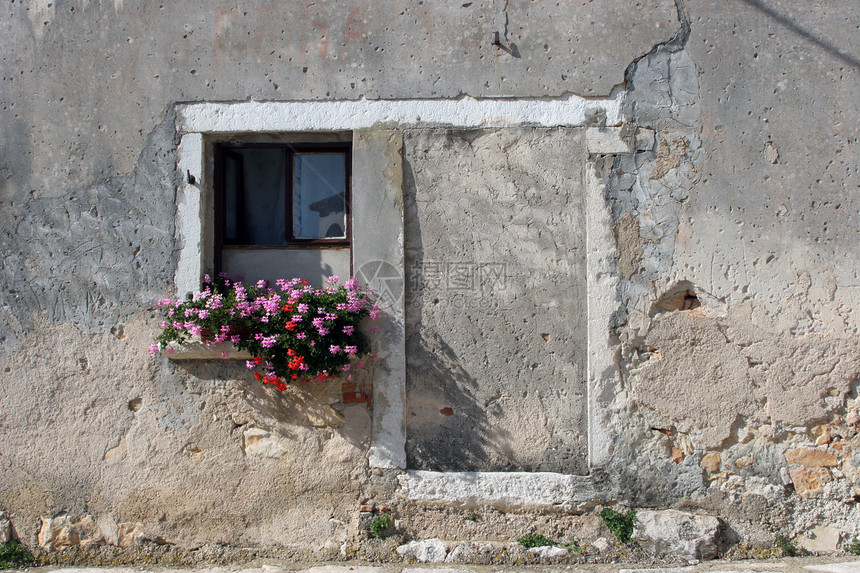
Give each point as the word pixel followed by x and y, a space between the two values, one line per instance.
pixel 466 112
pixel 378 235
pixel 604 379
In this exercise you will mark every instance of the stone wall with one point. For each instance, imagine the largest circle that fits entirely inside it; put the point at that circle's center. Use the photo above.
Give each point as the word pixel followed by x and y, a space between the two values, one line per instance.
pixel 724 379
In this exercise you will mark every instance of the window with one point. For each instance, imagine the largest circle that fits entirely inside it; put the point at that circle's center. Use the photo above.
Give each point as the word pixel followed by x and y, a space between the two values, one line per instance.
pixel 375 217
pixel 282 209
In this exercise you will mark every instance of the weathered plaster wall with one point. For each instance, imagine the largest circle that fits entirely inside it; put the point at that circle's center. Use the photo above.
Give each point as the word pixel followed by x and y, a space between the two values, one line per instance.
pixel 88 243
pixel 737 249
pixel 115 69
pixel 735 389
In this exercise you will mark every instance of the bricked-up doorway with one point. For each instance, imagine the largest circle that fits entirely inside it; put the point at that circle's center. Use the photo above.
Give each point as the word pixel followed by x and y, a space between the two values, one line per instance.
pixel 496 296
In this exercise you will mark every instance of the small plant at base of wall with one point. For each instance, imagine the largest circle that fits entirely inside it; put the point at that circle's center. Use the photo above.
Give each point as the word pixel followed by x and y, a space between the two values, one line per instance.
pixel 854 547
pixel 789 549
pixel 620 524
pixel 13 555
pixel 534 540
pixel 573 546
pixel 380 526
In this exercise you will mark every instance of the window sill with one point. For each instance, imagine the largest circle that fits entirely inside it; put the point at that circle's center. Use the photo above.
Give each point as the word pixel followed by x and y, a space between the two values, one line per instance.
pixel 198 350
pixel 351 392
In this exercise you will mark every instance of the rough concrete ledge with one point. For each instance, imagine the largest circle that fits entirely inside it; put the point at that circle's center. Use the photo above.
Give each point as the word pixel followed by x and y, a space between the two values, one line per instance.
pixel 569 111
pixel 502 490
pixel 198 350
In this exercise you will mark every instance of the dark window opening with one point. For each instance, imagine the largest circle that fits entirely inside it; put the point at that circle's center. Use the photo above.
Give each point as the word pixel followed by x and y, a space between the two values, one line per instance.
pixel 281 196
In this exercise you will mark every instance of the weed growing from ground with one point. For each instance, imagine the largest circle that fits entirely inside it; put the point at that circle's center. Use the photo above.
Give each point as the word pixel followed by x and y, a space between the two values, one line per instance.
pixel 573 546
pixel 13 554
pixel 789 549
pixel 472 515
pixel 379 526
pixel 620 524
pixel 854 546
pixel 534 540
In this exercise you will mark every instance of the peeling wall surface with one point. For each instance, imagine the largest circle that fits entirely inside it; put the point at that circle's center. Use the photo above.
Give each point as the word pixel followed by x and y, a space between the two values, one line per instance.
pixel 646 298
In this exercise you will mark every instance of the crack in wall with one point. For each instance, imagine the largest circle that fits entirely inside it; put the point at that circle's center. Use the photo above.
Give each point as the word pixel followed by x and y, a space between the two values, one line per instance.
pixel 651 187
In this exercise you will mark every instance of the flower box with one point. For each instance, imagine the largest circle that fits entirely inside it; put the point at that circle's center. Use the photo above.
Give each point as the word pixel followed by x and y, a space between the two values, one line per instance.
pixel 291 332
pixel 199 350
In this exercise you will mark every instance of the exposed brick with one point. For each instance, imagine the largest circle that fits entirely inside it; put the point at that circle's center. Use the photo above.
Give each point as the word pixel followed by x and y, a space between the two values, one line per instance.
pixel 349 387
pixel 354 398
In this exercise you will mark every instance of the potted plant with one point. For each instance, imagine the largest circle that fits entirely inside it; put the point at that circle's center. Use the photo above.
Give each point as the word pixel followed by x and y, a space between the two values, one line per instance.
pixel 294 331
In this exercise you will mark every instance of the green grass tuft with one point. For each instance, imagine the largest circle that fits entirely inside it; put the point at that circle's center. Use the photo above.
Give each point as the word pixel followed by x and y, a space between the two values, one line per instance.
pixel 620 524
pixel 378 527
pixel 789 549
pixel 13 554
pixel 534 540
pixel 573 546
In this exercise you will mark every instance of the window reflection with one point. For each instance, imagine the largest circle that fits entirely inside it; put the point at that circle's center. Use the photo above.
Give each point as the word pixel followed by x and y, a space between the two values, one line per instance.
pixel 319 195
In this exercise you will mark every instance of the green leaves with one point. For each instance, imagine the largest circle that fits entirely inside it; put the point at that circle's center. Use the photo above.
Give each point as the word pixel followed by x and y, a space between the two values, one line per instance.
pixel 534 540
pixel 14 555
pixel 620 524
pixel 379 526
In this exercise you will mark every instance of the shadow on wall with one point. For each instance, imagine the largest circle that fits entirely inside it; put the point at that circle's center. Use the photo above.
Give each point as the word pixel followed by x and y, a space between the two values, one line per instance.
pixel 803 33
pixel 302 404
pixel 447 427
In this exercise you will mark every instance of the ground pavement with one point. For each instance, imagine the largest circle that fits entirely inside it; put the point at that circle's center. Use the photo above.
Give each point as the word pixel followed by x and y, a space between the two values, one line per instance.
pixel 786 565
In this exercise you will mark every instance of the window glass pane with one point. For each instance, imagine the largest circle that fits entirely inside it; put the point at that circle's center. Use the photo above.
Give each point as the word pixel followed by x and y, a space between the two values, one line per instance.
pixel 233 192
pixel 258 202
pixel 319 195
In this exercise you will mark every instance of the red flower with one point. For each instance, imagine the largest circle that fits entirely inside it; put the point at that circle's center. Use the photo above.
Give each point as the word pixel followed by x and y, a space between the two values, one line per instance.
pixel 276 382
pixel 291 326
pixel 287 308
pixel 296 362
